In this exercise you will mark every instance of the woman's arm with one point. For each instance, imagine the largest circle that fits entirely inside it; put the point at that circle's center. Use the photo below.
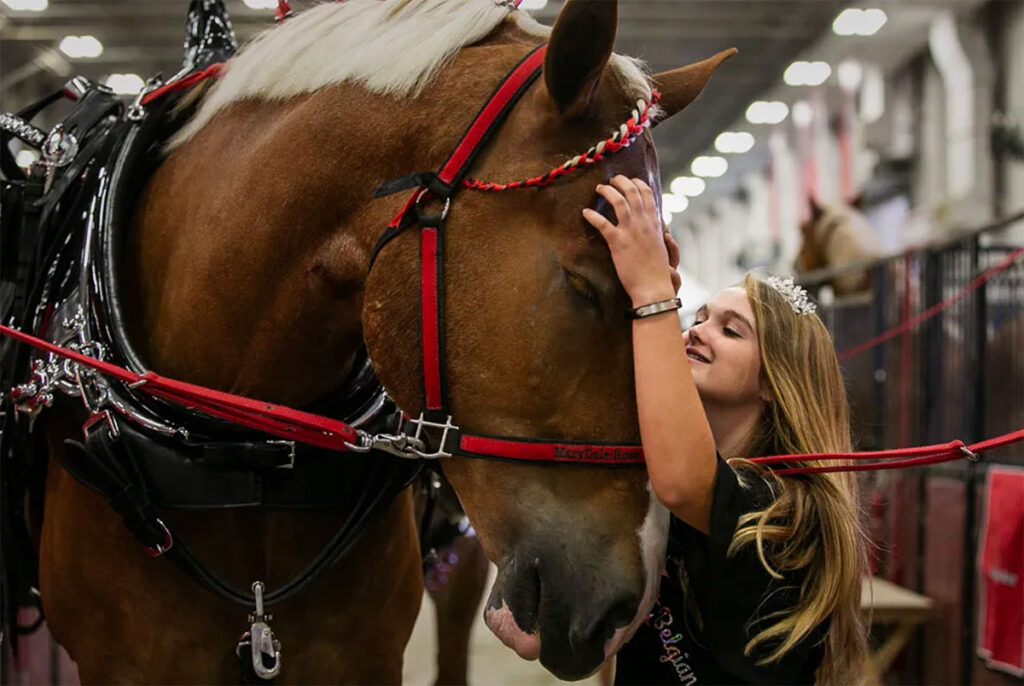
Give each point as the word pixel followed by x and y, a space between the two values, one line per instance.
pixel 678 445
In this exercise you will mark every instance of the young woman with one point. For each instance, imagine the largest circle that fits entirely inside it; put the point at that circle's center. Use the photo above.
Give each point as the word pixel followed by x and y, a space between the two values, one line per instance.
pixel 763 577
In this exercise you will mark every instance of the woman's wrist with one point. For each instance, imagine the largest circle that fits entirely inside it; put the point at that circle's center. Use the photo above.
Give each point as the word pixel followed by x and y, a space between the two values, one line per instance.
pixel 654 294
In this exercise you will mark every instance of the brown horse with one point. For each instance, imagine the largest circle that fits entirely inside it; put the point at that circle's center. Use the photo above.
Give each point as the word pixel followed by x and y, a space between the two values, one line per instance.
pixel 247 272
pixel 833 237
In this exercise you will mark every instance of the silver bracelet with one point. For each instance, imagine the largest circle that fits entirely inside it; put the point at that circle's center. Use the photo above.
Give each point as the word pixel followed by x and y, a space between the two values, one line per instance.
pixel 654 308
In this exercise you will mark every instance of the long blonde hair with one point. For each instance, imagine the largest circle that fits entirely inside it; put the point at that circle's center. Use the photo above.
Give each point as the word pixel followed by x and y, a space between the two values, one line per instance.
pixel 813 527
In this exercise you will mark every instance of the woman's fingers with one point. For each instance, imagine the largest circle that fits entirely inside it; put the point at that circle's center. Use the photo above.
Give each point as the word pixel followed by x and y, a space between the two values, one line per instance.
pixel 650 204
pixel 677 280
pixel 631 192
pixel 672 247
pixel 616 200
pixel 598 221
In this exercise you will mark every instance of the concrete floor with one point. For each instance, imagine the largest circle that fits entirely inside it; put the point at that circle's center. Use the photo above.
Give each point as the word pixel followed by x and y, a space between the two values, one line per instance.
pixel 490 662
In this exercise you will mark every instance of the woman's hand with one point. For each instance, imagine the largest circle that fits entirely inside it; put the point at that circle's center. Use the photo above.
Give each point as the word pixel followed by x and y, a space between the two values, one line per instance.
pixel 642 250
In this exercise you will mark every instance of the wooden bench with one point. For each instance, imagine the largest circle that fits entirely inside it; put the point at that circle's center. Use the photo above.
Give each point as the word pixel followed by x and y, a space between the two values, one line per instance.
pixel 889 604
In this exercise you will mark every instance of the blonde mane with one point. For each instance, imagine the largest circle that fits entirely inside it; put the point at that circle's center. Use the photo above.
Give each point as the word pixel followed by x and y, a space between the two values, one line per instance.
pixel 390 48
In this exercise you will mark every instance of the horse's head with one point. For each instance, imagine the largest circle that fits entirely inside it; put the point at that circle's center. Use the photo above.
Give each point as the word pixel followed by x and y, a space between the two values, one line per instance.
pixel 812 249
pixel 835 235
pixel 537 344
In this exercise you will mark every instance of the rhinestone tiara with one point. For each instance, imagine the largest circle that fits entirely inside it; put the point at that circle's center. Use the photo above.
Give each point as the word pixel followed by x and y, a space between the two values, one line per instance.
pixel 795 295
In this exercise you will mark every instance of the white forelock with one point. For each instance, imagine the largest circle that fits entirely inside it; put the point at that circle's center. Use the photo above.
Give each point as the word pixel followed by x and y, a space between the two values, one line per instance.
pixel 391 48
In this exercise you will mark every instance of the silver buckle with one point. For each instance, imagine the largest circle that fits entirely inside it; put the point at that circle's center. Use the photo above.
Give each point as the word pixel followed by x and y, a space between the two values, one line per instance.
pixel 404 445
pixel 291 454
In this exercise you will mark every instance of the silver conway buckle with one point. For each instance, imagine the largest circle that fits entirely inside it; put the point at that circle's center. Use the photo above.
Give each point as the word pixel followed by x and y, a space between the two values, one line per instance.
pixel 410 446
pixel 264 648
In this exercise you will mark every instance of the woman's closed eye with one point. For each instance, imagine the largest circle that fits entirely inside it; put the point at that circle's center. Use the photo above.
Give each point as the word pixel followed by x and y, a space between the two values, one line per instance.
pixel 731 333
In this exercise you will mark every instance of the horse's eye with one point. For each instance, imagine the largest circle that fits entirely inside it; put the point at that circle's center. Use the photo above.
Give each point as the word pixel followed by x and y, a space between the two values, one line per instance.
pixel 581 287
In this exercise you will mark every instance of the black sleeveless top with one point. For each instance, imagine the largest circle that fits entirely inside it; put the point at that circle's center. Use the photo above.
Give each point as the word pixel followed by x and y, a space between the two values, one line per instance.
pixel 734 596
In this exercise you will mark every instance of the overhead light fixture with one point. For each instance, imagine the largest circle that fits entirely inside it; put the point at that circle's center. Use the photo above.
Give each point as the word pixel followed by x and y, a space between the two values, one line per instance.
pixel 803 113
pixel 807 73
pixel 26 158
pixel 859 22
pixel 734 142
pixel 709 165
pixel 850 74
pixel 767 112
pixel 666 216
pixel 81 47
pixel 674 203
pixel 125 84
pixel 27 5
pixel 533 4
pixel 261 4
pixel 690 186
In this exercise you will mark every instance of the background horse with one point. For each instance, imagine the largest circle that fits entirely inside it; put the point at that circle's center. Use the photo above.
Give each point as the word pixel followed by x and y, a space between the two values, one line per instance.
pixel 834 236
pixel 247 271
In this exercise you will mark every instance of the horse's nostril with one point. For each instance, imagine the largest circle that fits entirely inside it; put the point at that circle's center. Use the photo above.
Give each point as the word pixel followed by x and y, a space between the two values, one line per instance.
pixel 601 626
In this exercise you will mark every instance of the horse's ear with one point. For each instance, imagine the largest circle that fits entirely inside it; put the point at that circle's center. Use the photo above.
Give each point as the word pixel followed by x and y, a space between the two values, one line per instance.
pixel 578 50
pixel 816 209
pixel 681 86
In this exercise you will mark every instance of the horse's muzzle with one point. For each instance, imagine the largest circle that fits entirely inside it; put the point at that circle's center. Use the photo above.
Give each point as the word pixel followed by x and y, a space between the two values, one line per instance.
pixel 571 616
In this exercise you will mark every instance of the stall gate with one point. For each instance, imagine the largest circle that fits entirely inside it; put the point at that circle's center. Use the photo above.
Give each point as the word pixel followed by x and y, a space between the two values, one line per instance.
pixel 958 374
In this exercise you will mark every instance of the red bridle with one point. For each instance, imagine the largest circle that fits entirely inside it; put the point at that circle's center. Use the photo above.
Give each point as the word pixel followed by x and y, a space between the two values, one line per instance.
pixel 443 186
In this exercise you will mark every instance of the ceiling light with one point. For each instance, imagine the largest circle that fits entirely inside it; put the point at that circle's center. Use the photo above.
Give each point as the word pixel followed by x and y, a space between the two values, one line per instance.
pixel 674 203
pixel 27 5
pixel 125 84
pixel 734 142
pixel 858 22
pixel 533 4
pixel 850 74
pixel 25 158
pixel 807 73
pixel 261 4
pixel 803 113
pixel 709 165
pixel 666 216
pixel 689 186
pixel 767 112
pixel 80 47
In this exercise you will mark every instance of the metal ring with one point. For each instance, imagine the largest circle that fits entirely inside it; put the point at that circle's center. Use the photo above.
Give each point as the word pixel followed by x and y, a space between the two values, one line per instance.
pixel 970 454
pixel 444 210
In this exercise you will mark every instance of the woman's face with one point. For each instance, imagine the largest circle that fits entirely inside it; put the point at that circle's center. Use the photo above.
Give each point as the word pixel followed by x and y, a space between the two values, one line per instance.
pixel 723 351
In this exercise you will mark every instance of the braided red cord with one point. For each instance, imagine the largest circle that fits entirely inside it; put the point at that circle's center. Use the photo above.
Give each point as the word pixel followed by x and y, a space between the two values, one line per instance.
pixel 619 140
pixel 284 9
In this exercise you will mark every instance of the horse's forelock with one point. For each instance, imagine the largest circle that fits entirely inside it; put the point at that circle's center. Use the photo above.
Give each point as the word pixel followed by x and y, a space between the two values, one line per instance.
pixel 389 48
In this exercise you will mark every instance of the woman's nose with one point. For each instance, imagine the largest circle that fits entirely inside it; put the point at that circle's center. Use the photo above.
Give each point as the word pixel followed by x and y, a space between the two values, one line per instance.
pixel 692 335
